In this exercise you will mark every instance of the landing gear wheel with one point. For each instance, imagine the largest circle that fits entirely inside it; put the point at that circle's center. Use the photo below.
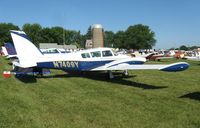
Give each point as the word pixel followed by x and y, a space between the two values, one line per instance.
pixel 40 74
pixel 110 75
pixel 125 73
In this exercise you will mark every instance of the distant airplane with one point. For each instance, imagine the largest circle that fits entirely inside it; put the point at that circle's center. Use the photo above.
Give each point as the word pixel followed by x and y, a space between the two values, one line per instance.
pixel 166 55
pixel 10 50
pixel 97 59
pixel 3 51
pixel 196 58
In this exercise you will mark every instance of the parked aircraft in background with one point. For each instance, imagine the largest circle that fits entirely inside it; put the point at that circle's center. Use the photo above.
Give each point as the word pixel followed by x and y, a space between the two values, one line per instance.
pixel 193 55
pixel 161 55
pixel 12 54
pixel 137 54
pixel 4 51
pixel 97 59
pixel 197 58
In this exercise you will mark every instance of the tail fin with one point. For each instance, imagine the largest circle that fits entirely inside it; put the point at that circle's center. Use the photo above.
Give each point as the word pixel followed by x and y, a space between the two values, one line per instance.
pixel 27 52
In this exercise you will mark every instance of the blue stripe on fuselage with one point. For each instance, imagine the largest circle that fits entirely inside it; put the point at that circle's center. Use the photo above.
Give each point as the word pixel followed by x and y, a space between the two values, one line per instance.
pixel 129 62
pixel 80 65
pixel 73 65
pixel 88 65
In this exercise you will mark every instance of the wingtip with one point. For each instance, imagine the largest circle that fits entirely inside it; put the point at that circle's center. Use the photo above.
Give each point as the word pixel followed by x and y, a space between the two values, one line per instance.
pixel 175 67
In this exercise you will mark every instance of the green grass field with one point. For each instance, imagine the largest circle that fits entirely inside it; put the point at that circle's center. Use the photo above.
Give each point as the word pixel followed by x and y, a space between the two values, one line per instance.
pixel 145 99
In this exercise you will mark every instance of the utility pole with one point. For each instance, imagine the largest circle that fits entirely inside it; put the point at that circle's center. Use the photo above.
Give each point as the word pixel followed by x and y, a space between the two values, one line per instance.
pixel 63 38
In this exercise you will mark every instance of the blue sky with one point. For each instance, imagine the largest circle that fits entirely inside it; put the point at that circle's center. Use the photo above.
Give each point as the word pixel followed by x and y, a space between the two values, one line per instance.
pixel 175 22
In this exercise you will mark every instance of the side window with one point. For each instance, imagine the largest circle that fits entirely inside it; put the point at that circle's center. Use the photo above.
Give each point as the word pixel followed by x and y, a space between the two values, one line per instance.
pixel 96 54
pixel 50 51
pixel 107 53
pixel 85 55
pixel 55 51
pixel 63 52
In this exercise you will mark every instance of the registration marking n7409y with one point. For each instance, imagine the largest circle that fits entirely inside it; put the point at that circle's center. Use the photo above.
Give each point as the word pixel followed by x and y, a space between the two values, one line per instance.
pixel 65 64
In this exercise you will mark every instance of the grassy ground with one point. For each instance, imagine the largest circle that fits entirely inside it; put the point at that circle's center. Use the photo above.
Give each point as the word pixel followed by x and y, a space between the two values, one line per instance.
pixel 145 99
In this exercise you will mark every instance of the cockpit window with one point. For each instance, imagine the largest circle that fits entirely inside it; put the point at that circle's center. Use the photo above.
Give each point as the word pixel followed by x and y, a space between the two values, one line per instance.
pixel 54 51
pixel 85 55
pixel 49 51
pixel 107 53
pixel 96 54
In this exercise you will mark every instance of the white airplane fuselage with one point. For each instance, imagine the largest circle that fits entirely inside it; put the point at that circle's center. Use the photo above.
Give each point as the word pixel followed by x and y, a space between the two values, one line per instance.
pixel 85 60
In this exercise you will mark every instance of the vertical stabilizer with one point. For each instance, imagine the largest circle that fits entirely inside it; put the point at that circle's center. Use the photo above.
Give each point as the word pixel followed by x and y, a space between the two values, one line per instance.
pixel 27 52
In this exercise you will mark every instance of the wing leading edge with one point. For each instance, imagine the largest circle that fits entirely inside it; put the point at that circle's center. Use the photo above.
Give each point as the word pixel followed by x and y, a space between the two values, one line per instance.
pixel 180 66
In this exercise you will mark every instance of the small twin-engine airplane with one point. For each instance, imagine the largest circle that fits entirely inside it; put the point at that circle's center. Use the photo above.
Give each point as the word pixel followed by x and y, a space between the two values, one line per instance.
pixel 97 59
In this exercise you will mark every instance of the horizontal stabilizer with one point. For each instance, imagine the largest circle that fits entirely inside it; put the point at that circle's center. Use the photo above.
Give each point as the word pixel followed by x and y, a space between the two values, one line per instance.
pixel 24 65
pixel 31 71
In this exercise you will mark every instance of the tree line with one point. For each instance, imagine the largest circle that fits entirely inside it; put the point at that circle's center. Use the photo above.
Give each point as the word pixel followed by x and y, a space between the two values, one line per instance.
pixel 134 37
pixel 186 48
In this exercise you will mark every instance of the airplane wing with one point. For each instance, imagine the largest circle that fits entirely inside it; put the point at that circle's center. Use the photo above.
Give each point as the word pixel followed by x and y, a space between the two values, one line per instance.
pixel 180 66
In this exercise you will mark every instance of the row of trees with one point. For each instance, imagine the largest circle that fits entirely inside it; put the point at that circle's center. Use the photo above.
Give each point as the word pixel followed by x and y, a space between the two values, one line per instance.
pixel 4 32
pixel 186 48
pixel 53 35
pixel 136 37
pixel 38 34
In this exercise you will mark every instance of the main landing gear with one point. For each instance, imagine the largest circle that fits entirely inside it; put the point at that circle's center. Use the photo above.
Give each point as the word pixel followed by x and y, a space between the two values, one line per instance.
pixel 125 73
pixel 111 76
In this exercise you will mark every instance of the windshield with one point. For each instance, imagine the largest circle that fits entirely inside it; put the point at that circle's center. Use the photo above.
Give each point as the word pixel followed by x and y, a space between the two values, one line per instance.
pixel 107 53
